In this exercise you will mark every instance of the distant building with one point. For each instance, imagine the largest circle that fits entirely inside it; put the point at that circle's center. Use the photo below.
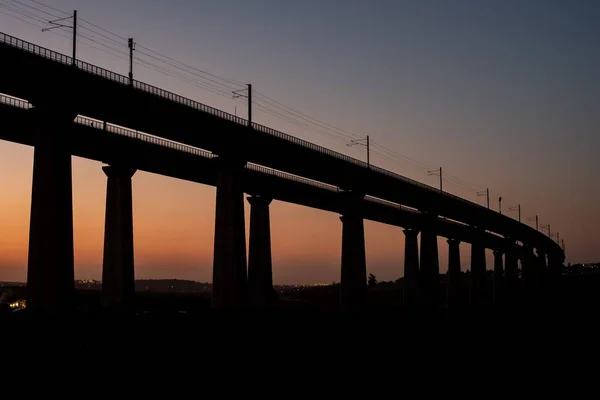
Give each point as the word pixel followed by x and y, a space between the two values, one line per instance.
pixel 582 269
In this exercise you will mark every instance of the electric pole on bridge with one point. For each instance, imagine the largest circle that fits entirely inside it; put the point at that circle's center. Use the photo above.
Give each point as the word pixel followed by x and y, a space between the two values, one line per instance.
pixel 250 105
pixel 131 45
pixel 537 227
pixel 557 236
pixel 500 205
pixel 518 208
pixel 547 226
pixel 74 27
pixel 485 193
pixel 437 172
pixel 74 37
pixel 361 142
pixel 238 93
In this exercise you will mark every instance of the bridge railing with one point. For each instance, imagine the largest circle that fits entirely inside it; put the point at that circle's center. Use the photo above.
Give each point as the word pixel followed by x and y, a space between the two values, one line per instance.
pixel 142 136
pixel 389 204
pixel 286 176
pixel 52 55
pixel 189 149
pixel 11 101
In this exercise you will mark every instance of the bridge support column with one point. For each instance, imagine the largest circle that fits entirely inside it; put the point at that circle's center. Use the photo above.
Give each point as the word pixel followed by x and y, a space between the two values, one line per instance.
pixel 230 280
pixel 50 269
pixel 511 278
pixel 430 267
pixel 478 271
pixel 353 282
pixel 411 268
pixel 453 273
pixel 528 262
pixel 498 277
pixel 118 276
pixel 541 275
pixel 260 269
pixel 555 267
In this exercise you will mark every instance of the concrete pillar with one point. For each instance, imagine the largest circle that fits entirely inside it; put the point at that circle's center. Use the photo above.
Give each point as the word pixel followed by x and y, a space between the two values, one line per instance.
pixel 528 262
pixel 555 264
pixel 453 273
pixel 353 283
pixel 230 280
pixel 478 273
pixel 411 268
pixel 511 279
pixel 498 277
pixel 554 284
pixel 118 276
pixel 430 267
pixel 260 268
pixel 541 274
pixel 50 269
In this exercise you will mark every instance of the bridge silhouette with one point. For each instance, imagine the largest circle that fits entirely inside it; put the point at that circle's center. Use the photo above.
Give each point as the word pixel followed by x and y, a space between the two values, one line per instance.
pixel 76 108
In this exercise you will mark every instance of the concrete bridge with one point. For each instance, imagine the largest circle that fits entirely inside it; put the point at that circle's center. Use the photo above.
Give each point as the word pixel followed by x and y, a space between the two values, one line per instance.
pixel 191 141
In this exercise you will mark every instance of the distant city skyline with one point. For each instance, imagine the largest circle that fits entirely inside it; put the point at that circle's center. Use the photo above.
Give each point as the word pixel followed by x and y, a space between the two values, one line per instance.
pixel 501 95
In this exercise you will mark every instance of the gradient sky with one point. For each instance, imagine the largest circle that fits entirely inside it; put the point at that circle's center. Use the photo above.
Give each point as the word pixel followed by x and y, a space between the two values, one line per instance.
pixel 501 94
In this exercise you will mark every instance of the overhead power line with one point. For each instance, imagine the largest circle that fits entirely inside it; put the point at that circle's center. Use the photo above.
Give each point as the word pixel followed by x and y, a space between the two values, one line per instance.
pixel 37 9
pixel 49 7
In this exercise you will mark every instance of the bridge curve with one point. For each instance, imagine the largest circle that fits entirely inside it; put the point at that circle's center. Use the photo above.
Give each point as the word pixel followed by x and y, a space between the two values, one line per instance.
pixel 36 71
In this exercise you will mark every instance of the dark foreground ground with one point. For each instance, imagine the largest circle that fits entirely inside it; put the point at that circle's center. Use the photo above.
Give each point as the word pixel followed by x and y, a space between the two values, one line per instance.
pixel 575 292
pixel 175 341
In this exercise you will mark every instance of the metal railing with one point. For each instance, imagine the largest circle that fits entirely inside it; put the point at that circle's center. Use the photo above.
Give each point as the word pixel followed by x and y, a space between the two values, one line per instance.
pixel 142 136
pixel 92 123
pixel 122 79
pixel 11 101
pixel 389 204
pixel 289 177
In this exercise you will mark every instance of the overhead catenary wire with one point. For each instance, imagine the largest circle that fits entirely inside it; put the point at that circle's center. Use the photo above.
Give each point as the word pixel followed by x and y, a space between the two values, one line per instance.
pixel 193 73
pixel 49 7
pixel 35 8
pixel 342 131
pixel 20 19
pixel 229 80
pixel 21 11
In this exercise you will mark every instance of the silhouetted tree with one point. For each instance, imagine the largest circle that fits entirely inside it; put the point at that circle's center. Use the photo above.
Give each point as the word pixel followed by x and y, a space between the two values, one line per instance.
pixel 372 280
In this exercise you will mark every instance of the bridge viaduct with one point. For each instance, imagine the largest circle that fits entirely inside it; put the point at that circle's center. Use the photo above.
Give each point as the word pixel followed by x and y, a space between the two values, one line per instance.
pixel 243 158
